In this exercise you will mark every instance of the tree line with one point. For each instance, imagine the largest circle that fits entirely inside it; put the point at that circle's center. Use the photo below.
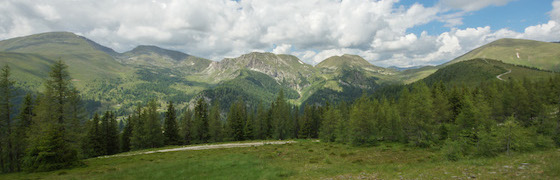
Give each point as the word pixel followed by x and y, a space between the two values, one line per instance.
pixel 51 130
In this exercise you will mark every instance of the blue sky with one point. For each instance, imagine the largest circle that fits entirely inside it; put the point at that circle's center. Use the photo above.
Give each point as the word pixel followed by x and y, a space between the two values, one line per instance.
pixel 385 32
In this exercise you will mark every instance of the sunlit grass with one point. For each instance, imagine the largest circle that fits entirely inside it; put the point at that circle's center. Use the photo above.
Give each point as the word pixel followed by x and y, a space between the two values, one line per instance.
pixel 307 159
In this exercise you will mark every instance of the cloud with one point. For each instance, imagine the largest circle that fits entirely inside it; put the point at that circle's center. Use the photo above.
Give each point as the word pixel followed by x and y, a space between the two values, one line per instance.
pixel 313 30
pixel 472 5
pixel 555 13
pixel 282 49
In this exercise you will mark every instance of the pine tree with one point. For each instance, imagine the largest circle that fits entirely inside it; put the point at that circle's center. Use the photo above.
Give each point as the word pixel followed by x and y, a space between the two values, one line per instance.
pixel 422 130
pixel 201 120
pixel 93 142
pixel 138 138
pixel 261 122
pixel 25 118
pixel 215 123
pixel 171 131
pixel 280 117
pixel 328 128
pixel 307 122
pixel 236 120
pixel 126 135
pixel 51 145
pixel 362 129
pixel 187 126
pixel 249 127
pixel 154 136
pixel 8 162
pixel 112 135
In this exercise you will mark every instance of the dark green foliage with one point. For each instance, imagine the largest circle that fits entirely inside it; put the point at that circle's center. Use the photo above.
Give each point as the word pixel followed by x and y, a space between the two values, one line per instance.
pixel 236 120
pixel 201 121
pixel 171 130
pixel 362 128
pixel 8 157
pixel 216 127
pixel 154 136
pixel 187 127
pixel 327 133
pixel 280 113
pixel 253 87
pixel 52 145
pixel 25 118
pixel 126 135
pixel 93 143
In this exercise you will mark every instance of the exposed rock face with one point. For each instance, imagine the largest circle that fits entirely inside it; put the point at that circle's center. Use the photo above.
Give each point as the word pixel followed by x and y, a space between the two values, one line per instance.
pixel 285 69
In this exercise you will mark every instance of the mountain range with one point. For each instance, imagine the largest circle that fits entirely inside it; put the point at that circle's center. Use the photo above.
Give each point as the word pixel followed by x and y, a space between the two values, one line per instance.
pixel 118 81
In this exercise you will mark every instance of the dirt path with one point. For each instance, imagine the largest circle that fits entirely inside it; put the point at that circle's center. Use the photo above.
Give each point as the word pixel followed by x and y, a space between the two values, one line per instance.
pixel 500 76
pixel 201 147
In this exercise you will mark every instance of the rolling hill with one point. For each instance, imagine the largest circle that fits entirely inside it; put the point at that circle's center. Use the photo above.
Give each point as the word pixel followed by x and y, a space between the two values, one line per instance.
pixel 542 55
pixel 119 81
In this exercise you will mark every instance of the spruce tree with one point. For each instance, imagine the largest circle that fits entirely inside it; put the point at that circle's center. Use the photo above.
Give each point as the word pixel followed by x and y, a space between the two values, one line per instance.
pixel 25 118
pixel 171 131
pixel 201 120
pixel 328 127
pixel 187 126
pixel 51 145
pixel 154 136
pixel 8 162
pixel 215 123
pixel 236 120
pixel 126 134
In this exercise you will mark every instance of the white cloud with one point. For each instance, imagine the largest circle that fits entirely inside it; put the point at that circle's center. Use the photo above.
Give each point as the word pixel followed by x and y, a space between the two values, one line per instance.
pixel 282 49
pixel 313 30
pixel 555 13
pixel 472 5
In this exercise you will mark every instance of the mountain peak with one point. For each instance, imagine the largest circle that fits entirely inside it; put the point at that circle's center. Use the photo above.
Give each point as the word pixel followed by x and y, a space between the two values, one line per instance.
pixel 150 49
pixel 54 43
pixel 346 60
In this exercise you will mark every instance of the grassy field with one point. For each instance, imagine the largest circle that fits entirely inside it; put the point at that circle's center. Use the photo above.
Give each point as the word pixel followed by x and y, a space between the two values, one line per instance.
pixel 309 160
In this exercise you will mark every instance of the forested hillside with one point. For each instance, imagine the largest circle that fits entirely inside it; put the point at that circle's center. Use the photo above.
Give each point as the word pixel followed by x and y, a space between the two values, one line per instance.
pixel 52 129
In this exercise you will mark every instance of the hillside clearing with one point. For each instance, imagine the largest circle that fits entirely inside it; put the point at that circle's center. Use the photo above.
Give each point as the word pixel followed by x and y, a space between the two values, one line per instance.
pixel 309 160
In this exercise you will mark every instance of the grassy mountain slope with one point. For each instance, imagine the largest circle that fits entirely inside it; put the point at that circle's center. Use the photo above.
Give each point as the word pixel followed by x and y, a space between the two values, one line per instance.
pixel 474 71
pixel 252 86
pixel 86 59
pixel 158 57
pixel 542 55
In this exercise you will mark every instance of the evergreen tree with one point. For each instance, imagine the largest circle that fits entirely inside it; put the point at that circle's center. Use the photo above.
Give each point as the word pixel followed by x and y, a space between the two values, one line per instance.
pixel 280 117
pixel 154 136
pixel 171 131
pixel 138 138
pixel 25 118
pixel 126 135
pixel 93 141
pixel 201 119
pixel 215 123
pixel 422 131
pixel 307 122
pixel 8 162
pixel 50 146
pixel 187 126
pixel 249 129
pixel 362 128
pixel 111 134
pixel 261 125
pixel 236 120
pixel 328 128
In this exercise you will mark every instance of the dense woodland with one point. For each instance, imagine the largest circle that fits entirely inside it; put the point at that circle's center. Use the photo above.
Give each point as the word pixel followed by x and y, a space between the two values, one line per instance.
pixel 52 131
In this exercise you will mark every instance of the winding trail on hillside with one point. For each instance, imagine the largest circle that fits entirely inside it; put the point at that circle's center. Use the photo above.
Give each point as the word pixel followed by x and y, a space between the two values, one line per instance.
pixel 202 147
pixel 500 76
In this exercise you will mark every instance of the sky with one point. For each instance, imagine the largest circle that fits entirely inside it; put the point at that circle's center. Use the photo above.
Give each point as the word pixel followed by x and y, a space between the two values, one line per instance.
pixel 401 33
